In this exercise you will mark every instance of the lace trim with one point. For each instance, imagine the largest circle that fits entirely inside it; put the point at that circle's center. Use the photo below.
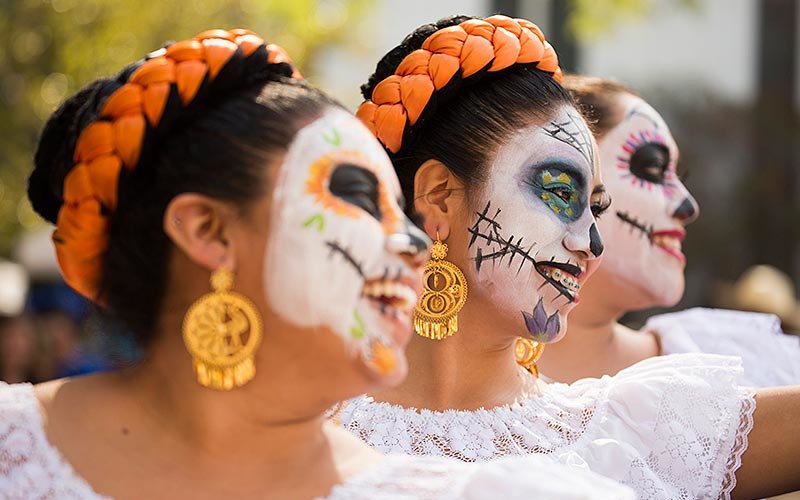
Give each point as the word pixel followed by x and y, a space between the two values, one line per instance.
pixel 61 480
pixel 740 443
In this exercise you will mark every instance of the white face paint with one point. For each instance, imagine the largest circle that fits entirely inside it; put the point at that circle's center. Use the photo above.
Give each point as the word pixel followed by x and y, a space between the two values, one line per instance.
pixel 644 231
pixel 335 252
pixel 534 241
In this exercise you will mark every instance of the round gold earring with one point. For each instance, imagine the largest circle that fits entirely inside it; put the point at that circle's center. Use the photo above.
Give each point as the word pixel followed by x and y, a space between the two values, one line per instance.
pixel 527 353
pixel 443 296
pixel 222 331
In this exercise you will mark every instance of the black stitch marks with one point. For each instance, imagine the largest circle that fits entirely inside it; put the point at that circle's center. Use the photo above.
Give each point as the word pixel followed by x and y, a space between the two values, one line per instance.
pixel 336 248
pixel 487 229
pixel 573 132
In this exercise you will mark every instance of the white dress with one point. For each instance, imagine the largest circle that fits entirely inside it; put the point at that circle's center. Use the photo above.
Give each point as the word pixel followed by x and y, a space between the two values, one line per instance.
pixel 670 427
pixel 770 358
pixel 31 468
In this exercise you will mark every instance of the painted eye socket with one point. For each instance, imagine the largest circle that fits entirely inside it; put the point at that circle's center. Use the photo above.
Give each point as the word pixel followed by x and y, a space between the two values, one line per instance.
pixel 357 186
pixel 559 191
pixel 650 162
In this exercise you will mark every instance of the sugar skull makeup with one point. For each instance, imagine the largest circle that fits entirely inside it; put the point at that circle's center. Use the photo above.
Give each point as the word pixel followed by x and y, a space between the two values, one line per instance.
pixel 643 234
pixel 534 240
pixel 338 236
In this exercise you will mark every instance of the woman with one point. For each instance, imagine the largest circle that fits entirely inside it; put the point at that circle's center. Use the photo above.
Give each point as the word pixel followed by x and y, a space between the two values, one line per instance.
pixel 502 168
pixel 207 161
pixel 643 263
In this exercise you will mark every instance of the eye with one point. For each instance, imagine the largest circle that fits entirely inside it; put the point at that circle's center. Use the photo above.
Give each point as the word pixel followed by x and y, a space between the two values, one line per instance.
pixel 650 162
pixel 562 192
pixel 357 186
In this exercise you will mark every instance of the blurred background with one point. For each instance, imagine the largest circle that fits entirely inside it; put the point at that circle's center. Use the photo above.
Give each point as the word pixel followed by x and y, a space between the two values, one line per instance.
pixel 722 72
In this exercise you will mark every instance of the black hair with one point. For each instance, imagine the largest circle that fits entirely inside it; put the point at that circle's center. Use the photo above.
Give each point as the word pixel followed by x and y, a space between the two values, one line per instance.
pixel 466 121
pixel 219 146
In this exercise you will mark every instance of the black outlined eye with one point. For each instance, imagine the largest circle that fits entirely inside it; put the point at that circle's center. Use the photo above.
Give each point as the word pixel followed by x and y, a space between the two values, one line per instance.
pixel 357 186
pixel 650 162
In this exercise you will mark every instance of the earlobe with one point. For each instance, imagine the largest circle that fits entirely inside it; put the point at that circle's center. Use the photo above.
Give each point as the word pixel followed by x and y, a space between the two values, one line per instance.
pixel 197 225
pixel 434 199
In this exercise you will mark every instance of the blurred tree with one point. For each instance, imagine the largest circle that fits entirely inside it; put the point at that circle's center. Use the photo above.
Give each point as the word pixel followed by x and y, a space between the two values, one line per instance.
pixel 50 48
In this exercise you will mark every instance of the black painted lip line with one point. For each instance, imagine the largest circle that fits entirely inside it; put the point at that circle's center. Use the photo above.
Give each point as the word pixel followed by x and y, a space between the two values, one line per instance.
pixel 625 217
pixel 555 284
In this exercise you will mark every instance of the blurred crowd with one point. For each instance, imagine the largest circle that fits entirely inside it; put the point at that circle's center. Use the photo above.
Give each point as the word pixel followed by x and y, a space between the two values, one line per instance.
pixel 47 330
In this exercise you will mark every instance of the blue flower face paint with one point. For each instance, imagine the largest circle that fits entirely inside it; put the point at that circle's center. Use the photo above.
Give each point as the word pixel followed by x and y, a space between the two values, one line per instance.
pixel 533 238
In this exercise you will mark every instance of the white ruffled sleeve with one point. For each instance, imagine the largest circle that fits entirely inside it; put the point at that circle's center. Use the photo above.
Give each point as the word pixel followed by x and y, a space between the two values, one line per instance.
pixel 770 357
pixel 401 477
pixel 673 426
pixel 29 466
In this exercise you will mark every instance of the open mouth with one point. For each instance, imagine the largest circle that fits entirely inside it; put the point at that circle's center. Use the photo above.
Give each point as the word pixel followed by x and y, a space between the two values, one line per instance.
pixel 670 240
pixel 563 276
pixel 391 297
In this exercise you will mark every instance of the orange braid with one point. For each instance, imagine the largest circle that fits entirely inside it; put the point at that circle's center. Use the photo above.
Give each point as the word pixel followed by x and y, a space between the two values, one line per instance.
pixel 114 141
pixel 494 44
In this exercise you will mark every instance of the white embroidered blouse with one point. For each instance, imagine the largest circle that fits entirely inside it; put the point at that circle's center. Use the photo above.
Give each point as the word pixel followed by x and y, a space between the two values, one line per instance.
pixel 669 427
pixel 31 468
pixel 770 357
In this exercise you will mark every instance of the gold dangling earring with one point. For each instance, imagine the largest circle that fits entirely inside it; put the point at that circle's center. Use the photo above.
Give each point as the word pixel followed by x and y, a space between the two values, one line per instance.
pixel 222 331
pixel 443 296
pixel 527 353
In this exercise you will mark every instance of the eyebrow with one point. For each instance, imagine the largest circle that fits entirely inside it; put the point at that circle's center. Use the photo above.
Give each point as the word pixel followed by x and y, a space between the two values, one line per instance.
pixel 637 111
pixel 573 132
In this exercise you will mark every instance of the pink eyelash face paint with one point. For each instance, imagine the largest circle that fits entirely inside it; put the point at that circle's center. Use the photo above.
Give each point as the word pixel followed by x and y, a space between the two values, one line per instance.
pixel 644 230
pixel 330 261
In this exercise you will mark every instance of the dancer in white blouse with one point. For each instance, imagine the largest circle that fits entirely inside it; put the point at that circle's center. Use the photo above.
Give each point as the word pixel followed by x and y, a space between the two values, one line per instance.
pixel 502 169
pixel 211 160
pixel 643 263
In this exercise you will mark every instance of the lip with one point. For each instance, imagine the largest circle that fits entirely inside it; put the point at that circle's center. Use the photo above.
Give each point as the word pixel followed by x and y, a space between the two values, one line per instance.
pixel 571 270
pixel 679 234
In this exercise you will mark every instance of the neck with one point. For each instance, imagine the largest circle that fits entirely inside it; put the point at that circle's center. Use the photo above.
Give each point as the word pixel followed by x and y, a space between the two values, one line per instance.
pixel 275 416
pixel 591 338
pixel 462 371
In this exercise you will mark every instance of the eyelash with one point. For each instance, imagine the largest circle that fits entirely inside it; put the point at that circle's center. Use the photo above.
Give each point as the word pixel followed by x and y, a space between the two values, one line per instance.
pixel 598 209
pixel 632 143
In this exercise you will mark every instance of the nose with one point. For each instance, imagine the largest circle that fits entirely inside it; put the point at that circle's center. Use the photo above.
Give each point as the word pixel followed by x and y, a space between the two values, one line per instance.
pixel 687 210
pixel 588 245
pixel 412 242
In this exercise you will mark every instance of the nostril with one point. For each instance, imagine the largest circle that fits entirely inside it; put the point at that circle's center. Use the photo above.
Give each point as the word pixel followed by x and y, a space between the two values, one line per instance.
pixel 685 211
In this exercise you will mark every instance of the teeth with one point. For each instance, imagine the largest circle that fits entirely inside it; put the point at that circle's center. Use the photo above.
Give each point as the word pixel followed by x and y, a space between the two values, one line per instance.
pixel 669 242
pixel 565 279
pixel 404 297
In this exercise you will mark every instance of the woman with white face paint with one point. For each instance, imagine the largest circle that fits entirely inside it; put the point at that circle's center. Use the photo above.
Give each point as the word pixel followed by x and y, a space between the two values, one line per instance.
pixel 210 160
pixel 643 263
pixel 503 174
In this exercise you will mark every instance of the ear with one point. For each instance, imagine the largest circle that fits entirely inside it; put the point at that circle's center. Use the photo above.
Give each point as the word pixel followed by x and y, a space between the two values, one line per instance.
pixel 200 227
pixel 438 195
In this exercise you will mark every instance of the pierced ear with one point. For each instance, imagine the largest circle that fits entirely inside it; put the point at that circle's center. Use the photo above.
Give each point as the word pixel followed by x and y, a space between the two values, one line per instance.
pixel 199 226
pixel 437 197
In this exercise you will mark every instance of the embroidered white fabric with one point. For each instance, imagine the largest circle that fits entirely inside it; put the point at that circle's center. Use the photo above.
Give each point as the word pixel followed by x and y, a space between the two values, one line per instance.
pixel 669 427
pixel 31 468
pixel 770 357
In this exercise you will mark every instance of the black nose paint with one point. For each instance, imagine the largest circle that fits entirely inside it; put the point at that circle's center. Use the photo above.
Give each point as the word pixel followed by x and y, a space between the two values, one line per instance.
pixel 419 240
pixel 595 242
pixel 685 210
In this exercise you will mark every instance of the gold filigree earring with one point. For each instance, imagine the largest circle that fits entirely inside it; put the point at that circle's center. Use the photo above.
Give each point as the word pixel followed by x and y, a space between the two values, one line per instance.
pixel 443 296
pixel 222 331
pixel 527 353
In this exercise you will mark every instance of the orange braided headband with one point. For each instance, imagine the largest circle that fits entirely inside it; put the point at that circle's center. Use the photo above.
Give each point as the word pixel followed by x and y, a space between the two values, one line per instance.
pixel 115 140
pixel 494 43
